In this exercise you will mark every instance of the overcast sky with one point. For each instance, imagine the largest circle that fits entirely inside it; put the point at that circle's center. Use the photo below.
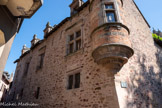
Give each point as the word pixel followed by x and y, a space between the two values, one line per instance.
pixel 56 10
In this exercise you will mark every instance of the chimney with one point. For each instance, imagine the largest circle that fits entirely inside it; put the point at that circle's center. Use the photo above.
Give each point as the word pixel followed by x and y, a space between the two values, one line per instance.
pixel 25 49
pixel 75 5
pixel 34 40
pixel 47 29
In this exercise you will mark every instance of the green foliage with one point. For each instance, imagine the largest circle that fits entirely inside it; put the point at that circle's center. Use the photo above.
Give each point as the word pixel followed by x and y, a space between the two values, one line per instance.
pixel 155 36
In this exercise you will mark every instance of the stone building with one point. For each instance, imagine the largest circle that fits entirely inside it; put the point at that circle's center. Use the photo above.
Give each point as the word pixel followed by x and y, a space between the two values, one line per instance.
pixel 12 14
pixel 102 56
pixel 5 84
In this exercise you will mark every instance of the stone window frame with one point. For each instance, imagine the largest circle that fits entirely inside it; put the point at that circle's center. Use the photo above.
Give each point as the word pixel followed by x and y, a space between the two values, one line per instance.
pixel 73 71
pixel 40 61
pixel 73 86
pixel 21 93
pixel 37 93
pixel 27 65
pixel 71 29
pixel 74 41
pixel 115 11
pixel 41 57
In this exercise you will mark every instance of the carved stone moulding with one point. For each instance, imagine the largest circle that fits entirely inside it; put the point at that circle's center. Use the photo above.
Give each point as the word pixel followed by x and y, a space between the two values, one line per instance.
pixel 112 55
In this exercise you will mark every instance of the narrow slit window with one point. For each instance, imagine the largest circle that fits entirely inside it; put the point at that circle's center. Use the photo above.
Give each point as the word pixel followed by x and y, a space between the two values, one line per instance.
pixel 71 37
pixel 78 34
pixel 41 60
pixel 77 80
pixel 78 44
pixel 37 93
pixel 21 93
pixel 26 69
pixel 71 47
pixel 70 85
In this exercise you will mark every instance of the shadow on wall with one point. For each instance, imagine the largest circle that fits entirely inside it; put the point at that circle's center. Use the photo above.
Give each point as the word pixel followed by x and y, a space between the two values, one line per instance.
pixel 145 87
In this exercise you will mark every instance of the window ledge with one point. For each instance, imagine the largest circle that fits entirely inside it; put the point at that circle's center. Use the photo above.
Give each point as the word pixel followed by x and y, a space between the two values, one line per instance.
pixel 73 89
pixel 74 53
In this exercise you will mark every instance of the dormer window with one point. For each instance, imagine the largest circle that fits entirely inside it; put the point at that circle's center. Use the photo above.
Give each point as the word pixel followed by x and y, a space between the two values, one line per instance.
pixel 75 5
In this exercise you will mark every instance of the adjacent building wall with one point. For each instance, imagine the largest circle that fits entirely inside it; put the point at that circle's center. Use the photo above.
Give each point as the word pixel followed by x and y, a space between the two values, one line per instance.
pixel 9 26
pixel 5 53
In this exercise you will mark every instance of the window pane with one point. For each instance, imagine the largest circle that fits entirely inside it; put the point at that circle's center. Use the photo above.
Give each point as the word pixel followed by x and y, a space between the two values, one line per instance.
pixel 77 80
pixel 37 94
pixel 71 37
pixel 110 16
pixel 71 48
pixel 70 83
pixel 26 70
pixel 78 44
pixel 21 93
pixel 41 60
pixel 109 6
pixel 78 34
pixel 13 96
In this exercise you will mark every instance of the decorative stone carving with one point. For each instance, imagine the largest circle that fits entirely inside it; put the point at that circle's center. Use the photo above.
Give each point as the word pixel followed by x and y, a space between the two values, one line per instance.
pixel 25 49
pixel 34 40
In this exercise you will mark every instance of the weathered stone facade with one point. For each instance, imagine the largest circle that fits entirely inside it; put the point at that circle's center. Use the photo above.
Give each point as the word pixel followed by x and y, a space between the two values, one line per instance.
pixel 104 62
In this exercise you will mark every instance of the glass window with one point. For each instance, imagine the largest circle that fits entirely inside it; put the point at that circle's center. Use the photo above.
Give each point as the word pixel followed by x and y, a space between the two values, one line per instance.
pixel 26 69
pixel 74 42
pixel 74 81
pixel 21 93
pixel 110 16
pixel 41 60
pixel 110 13
pixel 71 37
pixel 77 80
pixel 109 6
pixel 71 47
pixel 37 93
pixel 78 44
pixel 70 85
pixel 78 34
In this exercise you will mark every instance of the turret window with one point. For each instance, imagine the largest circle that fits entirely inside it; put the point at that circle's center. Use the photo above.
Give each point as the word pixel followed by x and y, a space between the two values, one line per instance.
pixel 110 13
pixel 110 17
pixel 109 6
